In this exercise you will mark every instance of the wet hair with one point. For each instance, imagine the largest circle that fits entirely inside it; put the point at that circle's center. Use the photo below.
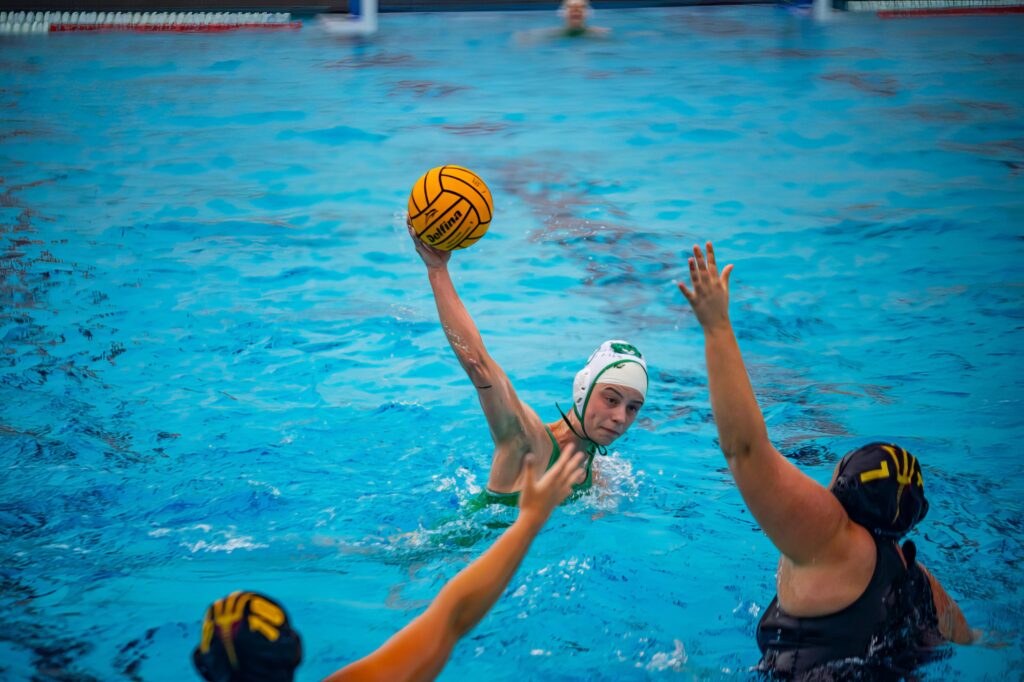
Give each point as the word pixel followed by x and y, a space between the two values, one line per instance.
pixel 247 638
pixel 881 488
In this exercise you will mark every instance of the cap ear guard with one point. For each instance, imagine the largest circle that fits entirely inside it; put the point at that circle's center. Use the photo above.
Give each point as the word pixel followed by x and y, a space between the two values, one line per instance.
pixel 580 389
pixel 881 487
pixel 210 658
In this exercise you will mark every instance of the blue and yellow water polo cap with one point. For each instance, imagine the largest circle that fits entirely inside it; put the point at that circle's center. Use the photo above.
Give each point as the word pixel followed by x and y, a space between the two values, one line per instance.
pixel 881 487
pixel 247 637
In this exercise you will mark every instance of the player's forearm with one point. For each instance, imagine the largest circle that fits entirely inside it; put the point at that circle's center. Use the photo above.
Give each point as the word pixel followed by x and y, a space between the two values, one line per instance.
pixel 952 623
pixel 737 415
pixel 459 328
pixel 419 650
pixel 961 633
pixel 473 592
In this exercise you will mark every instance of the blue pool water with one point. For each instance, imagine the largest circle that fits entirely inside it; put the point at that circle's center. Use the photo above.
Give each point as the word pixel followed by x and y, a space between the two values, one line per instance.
pixel 220 365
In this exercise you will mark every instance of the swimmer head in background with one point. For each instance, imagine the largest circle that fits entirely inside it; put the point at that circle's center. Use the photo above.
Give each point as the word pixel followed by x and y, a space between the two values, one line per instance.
pixel 575 13
pixel 247 638
pixel 881 488
pixel 616 362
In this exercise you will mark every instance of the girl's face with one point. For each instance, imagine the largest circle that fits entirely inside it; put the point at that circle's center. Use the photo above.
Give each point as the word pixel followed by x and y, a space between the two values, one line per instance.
pixel 611 411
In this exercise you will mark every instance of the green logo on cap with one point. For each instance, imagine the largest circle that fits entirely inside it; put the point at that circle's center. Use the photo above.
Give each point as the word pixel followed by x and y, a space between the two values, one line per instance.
pixel 626 349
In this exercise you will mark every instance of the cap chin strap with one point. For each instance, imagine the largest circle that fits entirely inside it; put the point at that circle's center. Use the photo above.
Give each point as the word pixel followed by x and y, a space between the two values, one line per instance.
pixel 601 450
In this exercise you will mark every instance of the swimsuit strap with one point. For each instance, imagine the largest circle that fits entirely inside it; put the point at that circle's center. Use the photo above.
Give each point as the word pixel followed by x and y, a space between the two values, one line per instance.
pixel 555 450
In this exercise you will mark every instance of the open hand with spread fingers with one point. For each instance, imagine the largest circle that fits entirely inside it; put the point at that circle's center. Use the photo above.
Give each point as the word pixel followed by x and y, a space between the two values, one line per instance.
pixel 709 296
pixel 539 498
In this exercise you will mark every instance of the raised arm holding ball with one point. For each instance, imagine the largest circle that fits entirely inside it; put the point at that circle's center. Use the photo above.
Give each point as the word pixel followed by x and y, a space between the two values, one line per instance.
pixel 607 393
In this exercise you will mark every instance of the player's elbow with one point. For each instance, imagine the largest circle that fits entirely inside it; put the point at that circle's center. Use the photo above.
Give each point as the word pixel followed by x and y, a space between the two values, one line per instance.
pixel 479 368
pixel 456 626
pixel 742 446
pixel 454 606
pixel 460 626
pixel 735 448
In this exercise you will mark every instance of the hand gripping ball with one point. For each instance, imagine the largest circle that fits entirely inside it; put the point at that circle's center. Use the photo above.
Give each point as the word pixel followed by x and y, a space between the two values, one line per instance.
pixel 450 208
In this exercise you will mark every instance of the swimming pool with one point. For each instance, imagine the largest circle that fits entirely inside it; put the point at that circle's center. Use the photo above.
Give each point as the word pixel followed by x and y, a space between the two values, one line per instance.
pixel 221 367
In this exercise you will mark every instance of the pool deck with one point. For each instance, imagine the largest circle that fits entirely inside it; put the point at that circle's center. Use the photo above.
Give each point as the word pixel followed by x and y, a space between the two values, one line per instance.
pixel 300 7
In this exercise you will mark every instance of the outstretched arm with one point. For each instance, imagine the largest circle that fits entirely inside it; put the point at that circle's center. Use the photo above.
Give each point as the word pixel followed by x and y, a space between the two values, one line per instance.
pixel 802 519
pixel 420 650
pixel 498 399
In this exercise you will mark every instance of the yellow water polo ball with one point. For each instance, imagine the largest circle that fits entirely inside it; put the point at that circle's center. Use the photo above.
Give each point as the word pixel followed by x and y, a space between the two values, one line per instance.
pixel 450 208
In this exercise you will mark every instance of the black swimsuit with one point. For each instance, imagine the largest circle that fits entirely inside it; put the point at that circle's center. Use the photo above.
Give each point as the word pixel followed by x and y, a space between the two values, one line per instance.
pixel 882 635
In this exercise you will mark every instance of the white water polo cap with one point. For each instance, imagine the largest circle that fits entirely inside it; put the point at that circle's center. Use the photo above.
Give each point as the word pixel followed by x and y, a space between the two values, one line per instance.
pixel 616 362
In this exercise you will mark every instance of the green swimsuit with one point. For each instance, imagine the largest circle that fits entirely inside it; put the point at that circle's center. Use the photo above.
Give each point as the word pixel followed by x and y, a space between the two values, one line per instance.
pixel 487 497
